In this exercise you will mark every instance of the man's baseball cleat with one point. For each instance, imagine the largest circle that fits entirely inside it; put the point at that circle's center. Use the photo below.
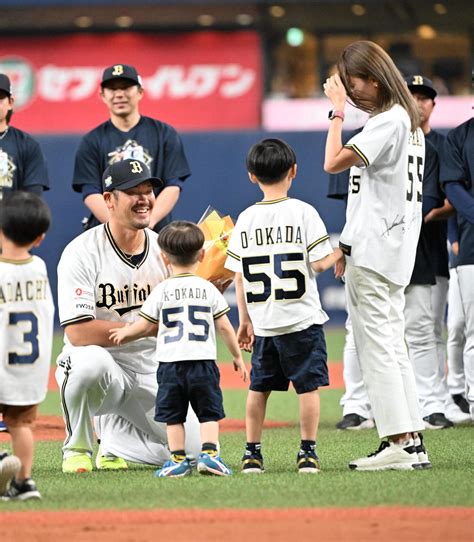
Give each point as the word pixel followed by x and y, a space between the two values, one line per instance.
pixel 252 463
pixel 110 462
pixel 212 464
pixel 76 464
pixel 308 462
pixel 355 422
pixel 389 456
pixel 174 468
pixel 22 491
pixel 10 465
pixel 437 420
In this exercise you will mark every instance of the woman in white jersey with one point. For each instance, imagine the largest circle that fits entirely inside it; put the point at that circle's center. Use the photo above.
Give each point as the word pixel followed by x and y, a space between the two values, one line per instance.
pixel 379 240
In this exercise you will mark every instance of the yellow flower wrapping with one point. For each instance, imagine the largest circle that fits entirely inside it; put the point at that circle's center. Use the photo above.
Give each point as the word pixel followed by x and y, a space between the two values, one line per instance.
pixel 217 231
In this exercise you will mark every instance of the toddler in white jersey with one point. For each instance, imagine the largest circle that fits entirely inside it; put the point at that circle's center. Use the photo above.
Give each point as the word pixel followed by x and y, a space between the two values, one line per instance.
pixel 185 310
pixel 276 247
pixel 26 334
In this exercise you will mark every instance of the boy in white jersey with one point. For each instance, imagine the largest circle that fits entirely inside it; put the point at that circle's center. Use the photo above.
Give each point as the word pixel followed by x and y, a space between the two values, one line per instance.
pixel 276 247
pixel 379 240
pixel 188 310
pixel 26 334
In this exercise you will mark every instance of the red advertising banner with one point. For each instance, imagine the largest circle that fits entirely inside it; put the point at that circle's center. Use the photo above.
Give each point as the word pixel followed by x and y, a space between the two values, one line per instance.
pixel 194 81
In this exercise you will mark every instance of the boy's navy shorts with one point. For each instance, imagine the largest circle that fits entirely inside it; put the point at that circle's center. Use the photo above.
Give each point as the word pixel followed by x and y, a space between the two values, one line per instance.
pixel 181 383
pixel 299 358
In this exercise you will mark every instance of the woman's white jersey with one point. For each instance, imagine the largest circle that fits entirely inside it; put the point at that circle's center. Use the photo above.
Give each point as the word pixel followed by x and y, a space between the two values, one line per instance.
pixel 383 218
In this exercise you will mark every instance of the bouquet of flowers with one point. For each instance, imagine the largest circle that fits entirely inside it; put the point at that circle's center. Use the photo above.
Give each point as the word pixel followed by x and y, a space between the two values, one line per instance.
pixel 217 230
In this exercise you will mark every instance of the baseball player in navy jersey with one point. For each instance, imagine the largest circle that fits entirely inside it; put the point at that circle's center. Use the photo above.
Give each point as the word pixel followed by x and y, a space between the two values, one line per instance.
pixel 455 324
pixel 127 134
pixel 431 268
pixel 383 218
pixel 457 176
pixel 22 165
pixel 104 277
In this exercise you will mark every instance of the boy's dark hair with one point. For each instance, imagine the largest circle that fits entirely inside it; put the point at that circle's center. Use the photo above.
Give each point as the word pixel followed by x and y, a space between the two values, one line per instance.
pixel 270 159
pixel 24 216
pixel 182 241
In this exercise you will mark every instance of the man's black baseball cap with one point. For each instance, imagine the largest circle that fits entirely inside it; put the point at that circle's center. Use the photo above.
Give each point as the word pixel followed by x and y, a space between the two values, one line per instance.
pixel 127 174
pixel 5 84
pixel 423 85
pixel 121 71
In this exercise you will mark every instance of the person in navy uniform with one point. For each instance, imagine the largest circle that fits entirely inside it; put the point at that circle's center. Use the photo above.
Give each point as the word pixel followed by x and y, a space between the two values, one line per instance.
pixel 22 165
pixel 457 172
pixel 129 135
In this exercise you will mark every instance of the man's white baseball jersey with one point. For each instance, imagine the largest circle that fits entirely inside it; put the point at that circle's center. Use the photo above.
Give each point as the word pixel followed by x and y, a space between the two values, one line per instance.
pixel 26 331
pixel 96 279
pixel 185 307
pixel 272 245
pixel 383 216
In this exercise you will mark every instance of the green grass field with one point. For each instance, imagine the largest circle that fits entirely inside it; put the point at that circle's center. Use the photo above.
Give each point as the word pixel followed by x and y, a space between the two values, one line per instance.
pixel 449 483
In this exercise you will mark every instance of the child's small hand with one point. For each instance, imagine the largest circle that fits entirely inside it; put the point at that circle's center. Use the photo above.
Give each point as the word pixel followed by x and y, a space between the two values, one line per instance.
pixel 239 366
pixel 340 267
pixel 245 336
pixel 117 334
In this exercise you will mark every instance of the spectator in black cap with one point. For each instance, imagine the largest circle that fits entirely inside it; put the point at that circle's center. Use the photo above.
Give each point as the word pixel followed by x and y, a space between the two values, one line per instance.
pixel 127 134
pixel 22 165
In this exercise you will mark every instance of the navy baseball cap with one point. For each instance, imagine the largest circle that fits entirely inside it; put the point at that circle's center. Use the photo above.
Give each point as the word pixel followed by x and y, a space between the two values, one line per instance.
pixel 121 71
pixel 5 84
pixel 127 174
pixel 423 85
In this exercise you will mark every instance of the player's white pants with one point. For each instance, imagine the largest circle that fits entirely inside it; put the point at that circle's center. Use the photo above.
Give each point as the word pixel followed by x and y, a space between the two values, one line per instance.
pixel 355 399
pixel 456 336
pixel 122 403
pixel 466 288
pixel 422 348
pixel 376 309
pixel 439 301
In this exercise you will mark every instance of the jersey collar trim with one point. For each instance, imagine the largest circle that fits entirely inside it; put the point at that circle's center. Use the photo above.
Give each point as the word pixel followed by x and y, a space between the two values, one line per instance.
pixel 121 254
pixel 181 275
pixel 16 262
pixel 272 201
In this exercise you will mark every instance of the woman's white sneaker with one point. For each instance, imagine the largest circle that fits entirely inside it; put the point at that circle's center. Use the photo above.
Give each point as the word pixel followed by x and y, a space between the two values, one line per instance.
pixel 389 456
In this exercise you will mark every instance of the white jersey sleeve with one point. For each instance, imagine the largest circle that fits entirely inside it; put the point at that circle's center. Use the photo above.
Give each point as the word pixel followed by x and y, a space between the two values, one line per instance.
pixel 26 331
pixel 380 137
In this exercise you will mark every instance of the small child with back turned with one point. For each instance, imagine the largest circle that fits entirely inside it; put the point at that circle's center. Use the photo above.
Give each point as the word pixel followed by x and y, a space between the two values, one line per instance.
pixel 275 249
pixel 26 335
pixel 188 310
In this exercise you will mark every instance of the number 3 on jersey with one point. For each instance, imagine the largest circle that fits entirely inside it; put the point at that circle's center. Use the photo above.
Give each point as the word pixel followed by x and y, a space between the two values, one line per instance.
pixel 30 338
pixel 251 275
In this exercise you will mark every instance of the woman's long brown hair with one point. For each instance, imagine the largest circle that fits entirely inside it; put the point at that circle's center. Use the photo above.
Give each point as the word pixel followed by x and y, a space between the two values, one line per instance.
pixel 367 60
